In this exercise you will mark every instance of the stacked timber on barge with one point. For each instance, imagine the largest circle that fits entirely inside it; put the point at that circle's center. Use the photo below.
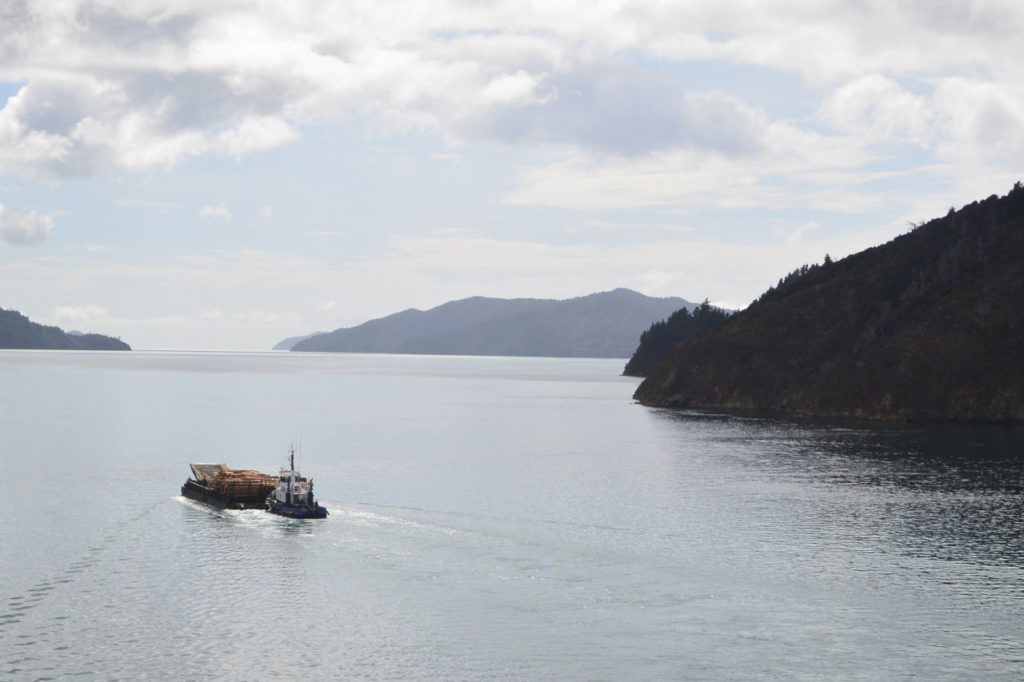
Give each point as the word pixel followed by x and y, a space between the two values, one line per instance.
pixel 229 488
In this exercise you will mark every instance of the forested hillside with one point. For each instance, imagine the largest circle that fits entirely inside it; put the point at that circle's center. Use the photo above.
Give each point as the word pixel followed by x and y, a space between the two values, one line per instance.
pixel 17 331
pixel 929 326
pixel 663 336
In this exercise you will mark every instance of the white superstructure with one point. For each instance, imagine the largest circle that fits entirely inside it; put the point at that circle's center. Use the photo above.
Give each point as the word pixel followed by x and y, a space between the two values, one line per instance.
pixel 291 488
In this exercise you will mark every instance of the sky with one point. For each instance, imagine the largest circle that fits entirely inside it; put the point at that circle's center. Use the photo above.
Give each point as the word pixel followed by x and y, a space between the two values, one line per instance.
pixel 206 174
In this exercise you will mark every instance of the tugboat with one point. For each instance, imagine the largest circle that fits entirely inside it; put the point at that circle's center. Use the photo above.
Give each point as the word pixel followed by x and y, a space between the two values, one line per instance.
pixel 293 496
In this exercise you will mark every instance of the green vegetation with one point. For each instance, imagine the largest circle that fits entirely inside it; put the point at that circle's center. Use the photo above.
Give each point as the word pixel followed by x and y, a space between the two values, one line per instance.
pixel 17 331
pixel 661 337
pixel 929 326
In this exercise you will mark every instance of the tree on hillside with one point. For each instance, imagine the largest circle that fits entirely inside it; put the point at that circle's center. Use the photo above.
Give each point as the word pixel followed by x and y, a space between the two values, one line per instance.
pixel 663 336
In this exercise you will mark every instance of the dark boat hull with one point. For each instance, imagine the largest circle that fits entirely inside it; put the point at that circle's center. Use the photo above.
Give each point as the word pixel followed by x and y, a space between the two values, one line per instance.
pixel 314 512
pixel 200 493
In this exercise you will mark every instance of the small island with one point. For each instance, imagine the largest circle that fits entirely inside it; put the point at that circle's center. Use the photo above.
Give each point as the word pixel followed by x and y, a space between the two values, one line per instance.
pixel 17 331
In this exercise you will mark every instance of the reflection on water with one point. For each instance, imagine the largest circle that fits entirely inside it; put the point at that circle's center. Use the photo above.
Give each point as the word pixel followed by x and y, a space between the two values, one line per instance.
pixel 941 491
pixel 231 519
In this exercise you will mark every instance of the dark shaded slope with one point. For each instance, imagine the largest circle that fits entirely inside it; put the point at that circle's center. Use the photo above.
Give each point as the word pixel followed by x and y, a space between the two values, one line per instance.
pixel 17 331
pixel 599 325
pixel 663 336
pixel 926 327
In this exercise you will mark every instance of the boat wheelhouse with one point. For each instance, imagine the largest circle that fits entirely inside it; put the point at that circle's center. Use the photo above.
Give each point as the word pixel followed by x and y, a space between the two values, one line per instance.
pixel 293 495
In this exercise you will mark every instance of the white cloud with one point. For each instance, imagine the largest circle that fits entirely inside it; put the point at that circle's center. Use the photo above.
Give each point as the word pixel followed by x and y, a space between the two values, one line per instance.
pixel 652 116
pixel 80 314
pixel 141 86
pixel 695 268
pixel 219 212
pixel 24 229
pixel 877 109
pixel 253 133
pixel 612 108
pixel 206 298
pixel 794 169
pixel 980 119
pixel 833 41
pixel 797 235
pixel 513 89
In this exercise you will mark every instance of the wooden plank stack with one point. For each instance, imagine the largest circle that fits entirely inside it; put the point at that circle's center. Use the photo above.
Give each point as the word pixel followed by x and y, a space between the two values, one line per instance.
pixel 243 484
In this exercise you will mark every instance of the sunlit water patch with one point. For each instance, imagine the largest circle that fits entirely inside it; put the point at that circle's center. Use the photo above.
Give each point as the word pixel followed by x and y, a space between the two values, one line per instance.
pixel 490 518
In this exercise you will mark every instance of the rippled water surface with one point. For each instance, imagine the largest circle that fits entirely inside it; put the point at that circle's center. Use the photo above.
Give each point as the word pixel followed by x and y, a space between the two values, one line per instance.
pixel 491 518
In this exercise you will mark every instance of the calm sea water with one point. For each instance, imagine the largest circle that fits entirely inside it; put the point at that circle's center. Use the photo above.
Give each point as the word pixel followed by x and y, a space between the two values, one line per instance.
pixel 491 518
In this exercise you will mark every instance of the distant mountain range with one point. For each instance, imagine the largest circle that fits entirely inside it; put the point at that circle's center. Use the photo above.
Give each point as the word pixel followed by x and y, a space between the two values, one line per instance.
pixel 929 326
pixel 17 331
pixel 603 325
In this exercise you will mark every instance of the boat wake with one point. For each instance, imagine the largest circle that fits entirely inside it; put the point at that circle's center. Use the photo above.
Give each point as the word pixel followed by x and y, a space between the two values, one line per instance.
pixel 18 607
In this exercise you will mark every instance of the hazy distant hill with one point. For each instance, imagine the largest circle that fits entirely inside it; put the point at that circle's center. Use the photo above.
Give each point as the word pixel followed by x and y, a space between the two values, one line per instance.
pixel 607 325
pixel 289 343
pixel 929 326
pixel 17 331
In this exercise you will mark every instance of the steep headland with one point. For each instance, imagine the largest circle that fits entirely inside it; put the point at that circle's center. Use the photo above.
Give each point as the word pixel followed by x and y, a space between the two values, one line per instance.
pixel 599 325
pixel 17 331
pixel 929 326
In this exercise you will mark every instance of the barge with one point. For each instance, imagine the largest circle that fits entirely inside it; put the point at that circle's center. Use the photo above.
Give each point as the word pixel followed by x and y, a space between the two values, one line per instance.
pixel 293 495
pixel 217 485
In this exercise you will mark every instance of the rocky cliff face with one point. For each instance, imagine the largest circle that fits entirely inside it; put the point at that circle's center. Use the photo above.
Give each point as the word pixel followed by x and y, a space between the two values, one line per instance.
pixel 929 326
